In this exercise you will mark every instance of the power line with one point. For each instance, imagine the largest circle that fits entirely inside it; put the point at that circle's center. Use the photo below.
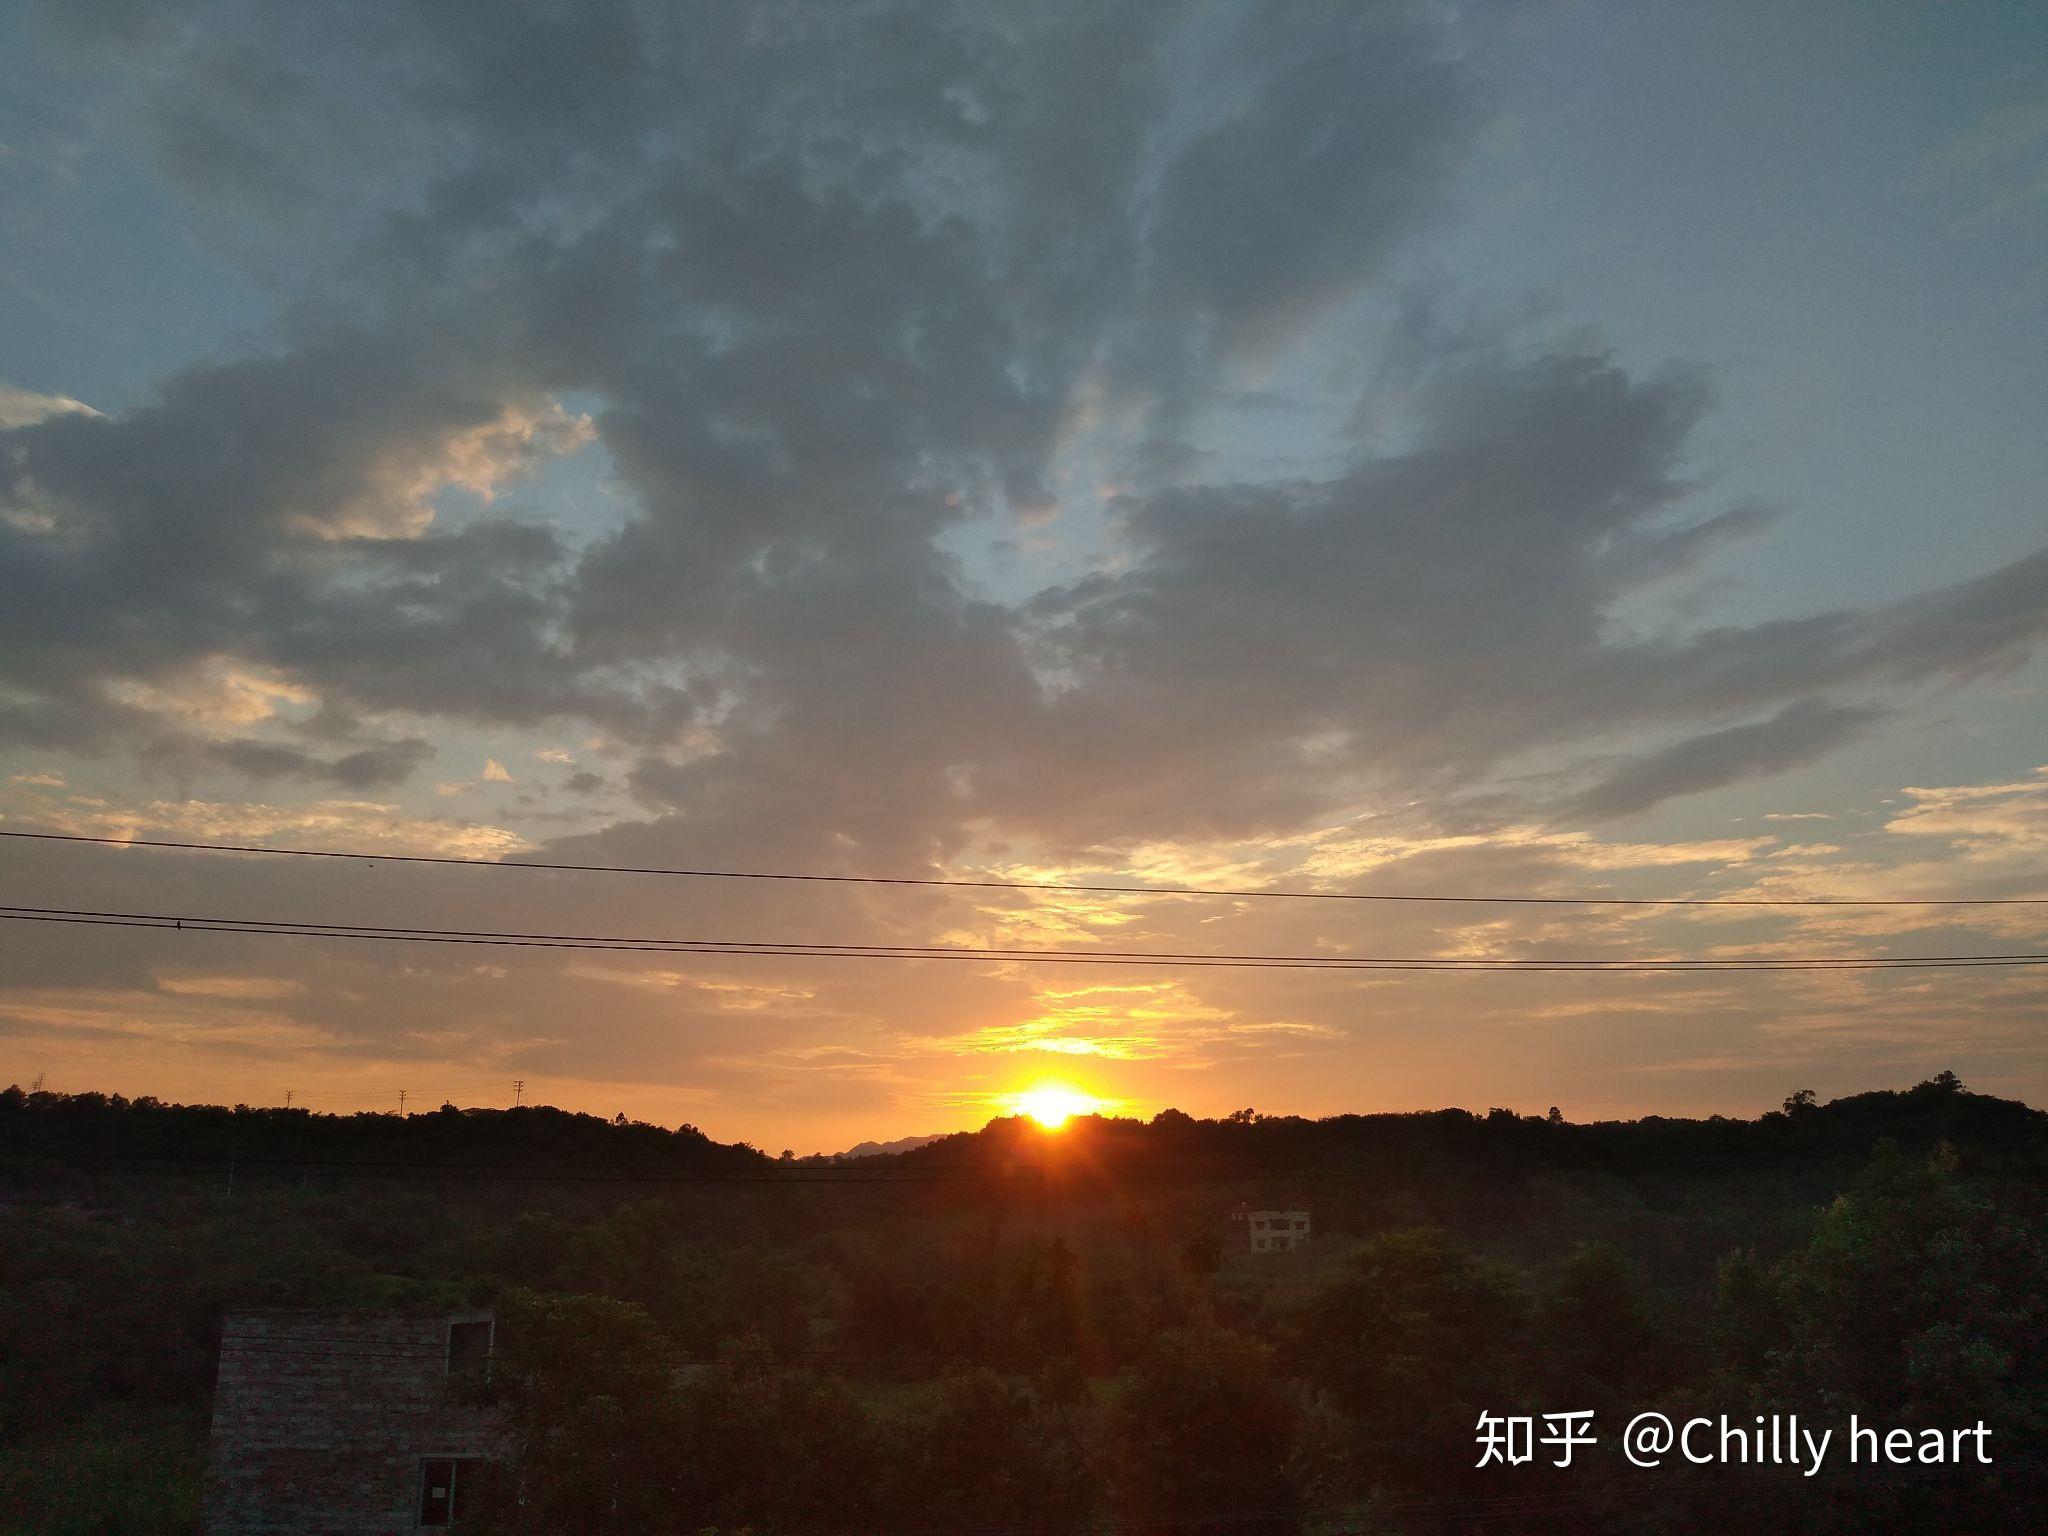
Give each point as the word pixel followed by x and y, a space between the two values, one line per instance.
pixel 294 1099
pixel 330 1095
pixel 1071 887
pixel 807 949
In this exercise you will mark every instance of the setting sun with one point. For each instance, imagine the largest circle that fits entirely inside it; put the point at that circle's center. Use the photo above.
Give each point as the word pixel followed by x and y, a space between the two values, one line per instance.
pixel 1052 1105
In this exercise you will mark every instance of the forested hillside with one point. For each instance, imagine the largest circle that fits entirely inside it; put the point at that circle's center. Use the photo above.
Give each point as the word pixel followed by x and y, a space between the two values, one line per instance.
pixel 1024 1330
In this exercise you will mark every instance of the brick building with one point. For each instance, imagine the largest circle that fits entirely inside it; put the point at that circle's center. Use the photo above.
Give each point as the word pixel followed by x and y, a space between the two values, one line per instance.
pixel 346 1423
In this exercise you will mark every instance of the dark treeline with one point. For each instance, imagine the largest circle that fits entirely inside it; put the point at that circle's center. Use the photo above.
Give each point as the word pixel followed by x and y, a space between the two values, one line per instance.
pixel 1016 1331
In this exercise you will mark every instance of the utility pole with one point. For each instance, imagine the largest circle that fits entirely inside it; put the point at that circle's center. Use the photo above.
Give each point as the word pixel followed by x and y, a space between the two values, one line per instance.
pixel 37 1085
pixel 401 1103
pixel 518 1091
pixel 287 1098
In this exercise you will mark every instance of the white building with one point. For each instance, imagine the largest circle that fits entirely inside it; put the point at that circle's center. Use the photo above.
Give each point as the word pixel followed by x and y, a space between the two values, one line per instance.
pixel 1273 1231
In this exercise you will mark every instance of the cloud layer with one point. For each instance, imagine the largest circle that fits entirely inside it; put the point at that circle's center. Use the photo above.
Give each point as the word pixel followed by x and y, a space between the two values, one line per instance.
pixel 839 297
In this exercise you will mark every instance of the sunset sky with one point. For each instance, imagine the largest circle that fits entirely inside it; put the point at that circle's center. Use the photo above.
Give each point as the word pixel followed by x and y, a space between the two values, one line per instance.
pixel 1463 448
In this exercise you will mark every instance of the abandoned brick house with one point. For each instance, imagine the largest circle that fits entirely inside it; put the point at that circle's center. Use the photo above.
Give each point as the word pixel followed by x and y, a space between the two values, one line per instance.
pixel 345 1423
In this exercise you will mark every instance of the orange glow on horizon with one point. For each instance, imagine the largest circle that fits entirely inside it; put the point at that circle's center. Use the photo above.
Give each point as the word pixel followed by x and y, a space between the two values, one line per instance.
pixel 1052 1105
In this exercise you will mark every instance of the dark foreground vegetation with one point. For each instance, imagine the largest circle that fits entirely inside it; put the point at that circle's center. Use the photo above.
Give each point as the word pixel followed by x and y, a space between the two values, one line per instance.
pixel 1017 1332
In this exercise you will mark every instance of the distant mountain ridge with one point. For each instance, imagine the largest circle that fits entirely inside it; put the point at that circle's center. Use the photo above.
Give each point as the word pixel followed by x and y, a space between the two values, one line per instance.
pixel 887 1148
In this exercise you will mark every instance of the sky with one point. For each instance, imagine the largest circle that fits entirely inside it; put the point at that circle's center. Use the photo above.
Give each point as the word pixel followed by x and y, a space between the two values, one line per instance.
pixel 1486 449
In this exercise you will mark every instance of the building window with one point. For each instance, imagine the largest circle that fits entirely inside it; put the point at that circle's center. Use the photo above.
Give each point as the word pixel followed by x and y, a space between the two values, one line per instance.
pixel 456 1488
pixel 469 1347
pixel 437 1491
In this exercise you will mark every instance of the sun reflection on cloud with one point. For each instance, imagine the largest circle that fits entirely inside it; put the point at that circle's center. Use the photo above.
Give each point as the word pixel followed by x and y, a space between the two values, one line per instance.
pixel 1134 1021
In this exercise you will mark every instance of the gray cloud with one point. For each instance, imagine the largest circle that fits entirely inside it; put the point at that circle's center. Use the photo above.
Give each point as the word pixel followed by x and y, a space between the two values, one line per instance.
pixel 847 290
pixel 840 284
pixel 1288 201
pixel 377 767
pixel 1428 617
pixel 806 265
pixel 1798 733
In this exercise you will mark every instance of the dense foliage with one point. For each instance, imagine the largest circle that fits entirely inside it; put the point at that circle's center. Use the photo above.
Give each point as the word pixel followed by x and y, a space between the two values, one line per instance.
pixel 1018 1331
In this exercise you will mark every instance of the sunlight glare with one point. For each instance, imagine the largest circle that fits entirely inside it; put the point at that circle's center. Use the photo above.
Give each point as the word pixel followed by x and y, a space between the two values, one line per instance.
pixel 1052 1105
